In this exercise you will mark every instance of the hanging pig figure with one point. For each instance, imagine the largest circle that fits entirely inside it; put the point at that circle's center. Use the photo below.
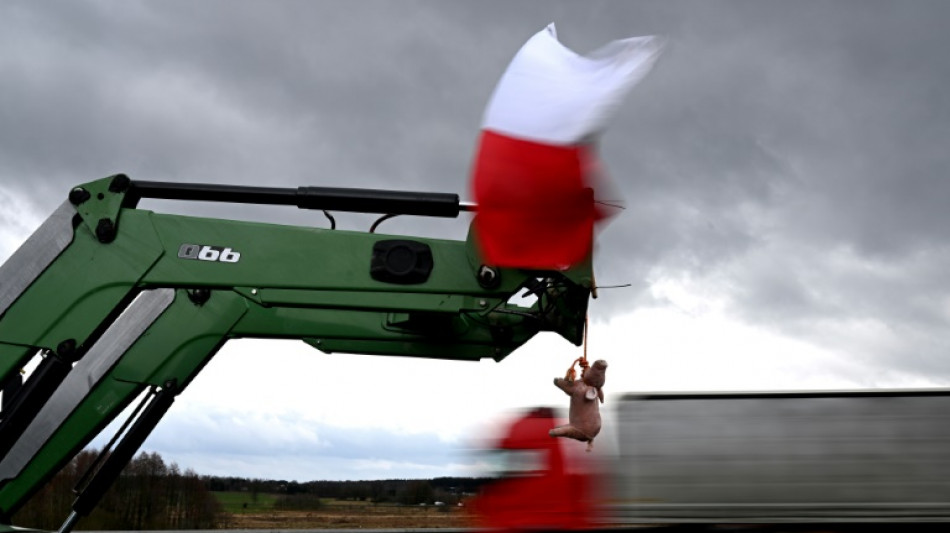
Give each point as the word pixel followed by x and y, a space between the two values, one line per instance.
pixel 584 415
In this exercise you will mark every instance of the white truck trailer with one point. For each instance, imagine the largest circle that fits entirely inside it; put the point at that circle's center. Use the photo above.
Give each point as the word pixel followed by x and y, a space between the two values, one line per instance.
pixel 774 457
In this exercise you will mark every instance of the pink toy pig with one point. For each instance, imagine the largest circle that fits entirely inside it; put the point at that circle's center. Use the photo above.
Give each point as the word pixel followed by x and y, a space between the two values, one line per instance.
pixel 584 415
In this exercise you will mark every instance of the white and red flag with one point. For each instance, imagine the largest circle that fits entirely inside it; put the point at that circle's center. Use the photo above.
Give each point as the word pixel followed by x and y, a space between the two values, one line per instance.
pixel 536 166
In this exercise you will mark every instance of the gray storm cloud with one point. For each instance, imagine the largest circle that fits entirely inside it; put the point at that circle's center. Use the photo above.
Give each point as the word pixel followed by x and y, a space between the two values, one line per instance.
pixel 790 157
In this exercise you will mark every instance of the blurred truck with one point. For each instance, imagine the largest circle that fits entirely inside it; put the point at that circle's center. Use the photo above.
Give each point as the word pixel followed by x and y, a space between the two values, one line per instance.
pixel 869 456
pixel 779 458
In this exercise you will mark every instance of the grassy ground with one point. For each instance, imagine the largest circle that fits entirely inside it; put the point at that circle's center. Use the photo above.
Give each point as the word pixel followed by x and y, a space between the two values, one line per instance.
pixel 244 502
pixel 335 514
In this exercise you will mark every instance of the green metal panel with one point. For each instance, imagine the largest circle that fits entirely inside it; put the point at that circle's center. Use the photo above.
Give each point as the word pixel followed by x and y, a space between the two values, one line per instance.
pixel 289 257
pixel 85 284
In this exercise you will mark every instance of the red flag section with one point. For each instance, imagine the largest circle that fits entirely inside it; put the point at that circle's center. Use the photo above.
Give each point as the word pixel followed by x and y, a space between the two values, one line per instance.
pixel 535 208
pixel 534 172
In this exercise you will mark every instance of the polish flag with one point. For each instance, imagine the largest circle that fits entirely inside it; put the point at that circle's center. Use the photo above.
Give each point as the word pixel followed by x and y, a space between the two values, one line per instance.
pixel 536 167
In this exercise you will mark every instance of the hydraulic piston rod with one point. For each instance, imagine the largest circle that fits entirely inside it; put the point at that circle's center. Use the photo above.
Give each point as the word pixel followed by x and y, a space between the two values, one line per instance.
pixel 330 198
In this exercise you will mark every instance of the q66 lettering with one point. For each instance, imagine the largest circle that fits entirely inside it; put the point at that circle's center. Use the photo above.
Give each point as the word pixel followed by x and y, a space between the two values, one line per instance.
pixel 202 252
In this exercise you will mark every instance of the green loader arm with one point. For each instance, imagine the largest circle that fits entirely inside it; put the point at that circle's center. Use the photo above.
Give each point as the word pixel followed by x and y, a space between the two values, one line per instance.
pixel 117 301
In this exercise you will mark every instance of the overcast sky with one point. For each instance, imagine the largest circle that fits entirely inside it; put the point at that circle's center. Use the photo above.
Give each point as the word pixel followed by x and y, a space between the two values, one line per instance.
pixel 784 171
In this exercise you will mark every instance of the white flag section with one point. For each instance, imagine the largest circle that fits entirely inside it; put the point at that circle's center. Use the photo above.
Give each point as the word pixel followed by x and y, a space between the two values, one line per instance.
pixel 536 165
pixel 553 95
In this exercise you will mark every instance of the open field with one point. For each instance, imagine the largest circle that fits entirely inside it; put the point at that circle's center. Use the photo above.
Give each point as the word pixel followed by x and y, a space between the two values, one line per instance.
pixel 238 502
pixel 333 514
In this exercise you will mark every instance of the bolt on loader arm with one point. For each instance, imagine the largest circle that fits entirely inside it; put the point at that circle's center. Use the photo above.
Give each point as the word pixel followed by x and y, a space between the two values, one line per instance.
pixel 116 301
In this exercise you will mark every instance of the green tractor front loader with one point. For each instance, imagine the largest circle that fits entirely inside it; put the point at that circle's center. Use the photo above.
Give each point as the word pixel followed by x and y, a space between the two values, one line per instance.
pixel 117 303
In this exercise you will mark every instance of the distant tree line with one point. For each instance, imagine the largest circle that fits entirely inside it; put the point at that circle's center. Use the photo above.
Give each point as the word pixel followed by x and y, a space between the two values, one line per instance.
pixel 448 490
pixel 149 494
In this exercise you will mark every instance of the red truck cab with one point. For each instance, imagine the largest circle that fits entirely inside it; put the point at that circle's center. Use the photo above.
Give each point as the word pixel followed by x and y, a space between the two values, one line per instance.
pixel 540 487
